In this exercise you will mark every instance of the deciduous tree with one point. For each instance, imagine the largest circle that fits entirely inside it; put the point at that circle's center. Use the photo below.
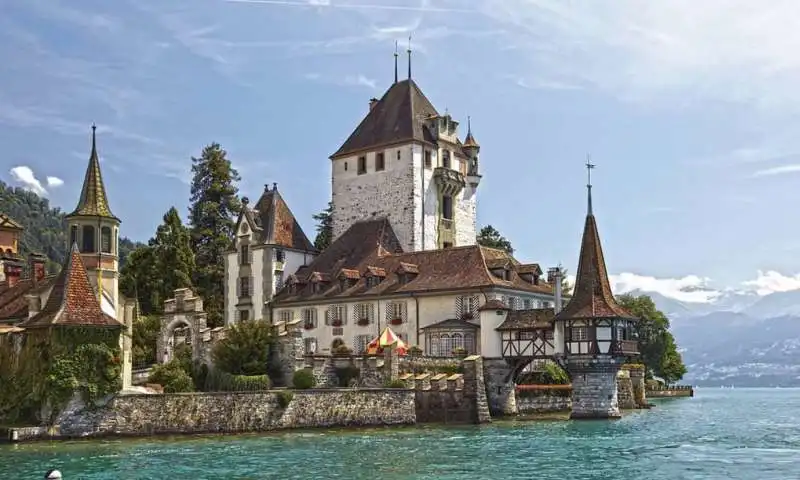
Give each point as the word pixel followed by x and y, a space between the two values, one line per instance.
pixel 213 209
pixel 659 353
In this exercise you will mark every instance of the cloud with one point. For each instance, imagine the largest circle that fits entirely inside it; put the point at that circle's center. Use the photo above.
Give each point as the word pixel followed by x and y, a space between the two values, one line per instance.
pixel 772 281
pixel 360 80
pixel 743 52
pixel 25 177
pixel 691 288
pixel 355 6
pixel 777 170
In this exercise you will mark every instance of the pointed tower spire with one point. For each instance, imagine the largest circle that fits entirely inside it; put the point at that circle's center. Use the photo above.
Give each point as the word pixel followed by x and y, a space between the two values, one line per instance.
pixel 409 57
pixel 470 140
pixel 592 296
pixel 395 61
pixel 93 201
pixel 589 167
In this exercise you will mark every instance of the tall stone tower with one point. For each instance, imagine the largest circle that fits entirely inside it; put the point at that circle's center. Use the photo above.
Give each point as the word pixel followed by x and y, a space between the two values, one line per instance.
pixel 406 162
pixel 95 230
pixel 597 332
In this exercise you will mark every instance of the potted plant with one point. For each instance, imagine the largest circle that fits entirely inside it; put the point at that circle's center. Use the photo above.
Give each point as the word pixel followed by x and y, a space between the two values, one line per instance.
pixel 459 352
pixel 337 322
pixel 363 322
pixel 396 321
pixel 415 351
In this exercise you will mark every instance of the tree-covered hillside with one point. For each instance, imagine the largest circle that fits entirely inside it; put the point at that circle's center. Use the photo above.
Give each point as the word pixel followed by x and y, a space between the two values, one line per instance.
pixel 44 226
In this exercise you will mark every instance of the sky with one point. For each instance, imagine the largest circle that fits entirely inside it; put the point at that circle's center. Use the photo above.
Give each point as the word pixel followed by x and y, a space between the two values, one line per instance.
pixel 689 110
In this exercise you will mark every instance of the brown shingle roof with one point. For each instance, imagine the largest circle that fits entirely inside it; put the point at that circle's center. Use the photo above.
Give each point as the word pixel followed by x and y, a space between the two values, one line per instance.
pixel 372 243
pixel 349 274
pixel 592 296
pixel 493 304
pixel 8 223
pixel 375 271
pixel 528 319
pixel 13 304
pixel 93 200
pixel 276 223
pixel 73 300
pixel 398 116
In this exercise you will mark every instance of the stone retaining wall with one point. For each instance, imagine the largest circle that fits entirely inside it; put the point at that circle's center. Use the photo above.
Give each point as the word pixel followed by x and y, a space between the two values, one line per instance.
pixel 230 412
pixel 544 400
pixel 681 391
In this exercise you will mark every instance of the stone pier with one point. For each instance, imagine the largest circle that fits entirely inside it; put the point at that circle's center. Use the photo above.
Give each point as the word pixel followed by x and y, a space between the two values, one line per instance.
pixel 594 387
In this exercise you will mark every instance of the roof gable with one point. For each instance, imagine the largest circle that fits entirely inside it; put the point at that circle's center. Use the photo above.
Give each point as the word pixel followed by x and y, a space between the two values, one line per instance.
pixel 276 223
pixel 397 117
pixel 73 301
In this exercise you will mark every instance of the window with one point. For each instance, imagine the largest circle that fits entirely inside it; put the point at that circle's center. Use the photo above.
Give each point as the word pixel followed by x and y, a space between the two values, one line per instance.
pixel 446 158
pixel 396 313
pixel 278 279
pixel 280 256
pixel 244 286
pixel 467 307
pixel 287 316
pixel 336 315
pixel 526 304
pixel 309 318
pixel 244 315
pixel 447 244
pixel 244 255
pixel 310 345
pixel 362 165
pixel 87 239
pixel 380 163
pixel 513 303
pixel 73 235
pixel 345 166
pixel 462 167
pixel 363 314
pixel 579 334
pixel 373 281
pixel 447 207
pixel 428 162
pixel 398 154
pixel 105 239
pixel 360 343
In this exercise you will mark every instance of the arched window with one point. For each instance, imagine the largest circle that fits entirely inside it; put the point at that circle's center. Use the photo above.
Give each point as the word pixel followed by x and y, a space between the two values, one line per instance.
pixel 445 346
pixel 458 341
pixel 105 239
pixel 87 239
pixel 73 235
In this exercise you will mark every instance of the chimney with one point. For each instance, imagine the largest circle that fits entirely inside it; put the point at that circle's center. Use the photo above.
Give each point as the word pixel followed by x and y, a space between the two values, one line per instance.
pixel 37 264
pixel 34 304
pixel 554 278
pixel 372 102
pixel 12 270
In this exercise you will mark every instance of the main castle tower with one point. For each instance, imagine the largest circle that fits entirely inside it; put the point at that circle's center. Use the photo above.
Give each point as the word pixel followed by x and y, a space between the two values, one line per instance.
pixel 406 162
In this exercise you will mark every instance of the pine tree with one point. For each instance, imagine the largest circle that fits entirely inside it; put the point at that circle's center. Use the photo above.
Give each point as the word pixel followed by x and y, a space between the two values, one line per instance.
pixel 324 221
pixel 173 253
pixel 213 209
pixel 490 237
pixel 140 279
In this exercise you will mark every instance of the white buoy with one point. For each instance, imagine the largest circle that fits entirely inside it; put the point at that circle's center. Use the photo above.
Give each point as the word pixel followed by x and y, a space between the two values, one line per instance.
pixel 53 475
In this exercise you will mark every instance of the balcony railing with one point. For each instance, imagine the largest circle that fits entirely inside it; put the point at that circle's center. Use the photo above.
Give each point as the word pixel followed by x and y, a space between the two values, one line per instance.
pixel 449 181
pixel 625 347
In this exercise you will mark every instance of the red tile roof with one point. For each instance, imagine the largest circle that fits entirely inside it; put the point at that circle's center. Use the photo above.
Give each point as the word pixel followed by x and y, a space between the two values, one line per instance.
pixel 275 223
pixel 372 243
pixel 528 319
pixel 13 304
pixel 592 296
pixel 73 300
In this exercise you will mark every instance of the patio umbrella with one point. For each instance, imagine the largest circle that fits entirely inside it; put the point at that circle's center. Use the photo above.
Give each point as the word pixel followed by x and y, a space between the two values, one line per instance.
pixel 387 339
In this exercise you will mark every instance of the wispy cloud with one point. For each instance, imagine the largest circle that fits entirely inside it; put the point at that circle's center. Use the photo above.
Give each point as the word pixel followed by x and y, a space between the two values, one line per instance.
pixel 24 176
pixel 777 170
pixel 356 6
pixel 360 80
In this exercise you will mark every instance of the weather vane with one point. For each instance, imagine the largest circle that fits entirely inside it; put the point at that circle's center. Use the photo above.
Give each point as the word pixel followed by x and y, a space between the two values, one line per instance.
pixel 589 167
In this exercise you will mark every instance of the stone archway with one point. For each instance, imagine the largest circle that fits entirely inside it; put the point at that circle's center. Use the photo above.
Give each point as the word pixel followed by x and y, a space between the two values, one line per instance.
pixel 184 311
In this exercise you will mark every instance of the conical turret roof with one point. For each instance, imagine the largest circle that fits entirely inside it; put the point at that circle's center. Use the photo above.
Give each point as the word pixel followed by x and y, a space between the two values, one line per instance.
pixel 93 201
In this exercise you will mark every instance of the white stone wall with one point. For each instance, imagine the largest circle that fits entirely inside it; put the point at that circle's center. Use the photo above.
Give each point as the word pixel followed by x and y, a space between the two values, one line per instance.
pixel 389 192
pixel 491 339
pixel 402 191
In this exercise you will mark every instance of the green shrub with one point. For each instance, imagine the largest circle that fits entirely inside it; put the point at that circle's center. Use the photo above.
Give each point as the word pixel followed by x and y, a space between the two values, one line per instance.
pixel 396 383
pixel 285 398
pixel 342 351
pixel 449 368
pixel 172 377
pixel 460 352
pixel 337 342
pixel 245 350
pixel 303 379
pixel 219 381
pixel 347 374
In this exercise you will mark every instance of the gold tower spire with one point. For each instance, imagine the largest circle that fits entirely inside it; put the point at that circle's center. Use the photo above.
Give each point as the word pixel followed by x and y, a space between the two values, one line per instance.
pixel 93 201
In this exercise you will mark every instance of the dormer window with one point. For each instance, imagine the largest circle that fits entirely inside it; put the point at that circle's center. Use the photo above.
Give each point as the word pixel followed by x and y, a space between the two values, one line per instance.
pixel 317 287
pixel 446 158
pixel 373 282
pixel 407 272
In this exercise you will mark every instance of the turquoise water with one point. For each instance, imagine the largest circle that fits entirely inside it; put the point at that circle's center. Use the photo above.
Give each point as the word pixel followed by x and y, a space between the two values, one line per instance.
pixel 741 434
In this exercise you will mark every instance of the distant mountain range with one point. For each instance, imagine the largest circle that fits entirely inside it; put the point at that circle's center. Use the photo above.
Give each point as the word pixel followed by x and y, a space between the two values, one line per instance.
pixel 740 339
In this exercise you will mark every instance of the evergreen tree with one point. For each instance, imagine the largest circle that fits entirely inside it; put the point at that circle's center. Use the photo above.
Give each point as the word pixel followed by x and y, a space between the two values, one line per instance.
pixel 140 279
pixel 490 237
pixel 213 209
pixel 173 254
pixel 324 221
pixel 658 351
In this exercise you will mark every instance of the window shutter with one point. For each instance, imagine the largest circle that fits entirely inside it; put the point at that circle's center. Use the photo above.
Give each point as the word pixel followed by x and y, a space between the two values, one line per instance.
pixel 328 313
pixel 459 307
pixel 238 287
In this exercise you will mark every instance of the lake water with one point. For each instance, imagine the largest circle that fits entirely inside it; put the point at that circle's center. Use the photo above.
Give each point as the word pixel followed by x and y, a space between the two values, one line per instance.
pixel 742 434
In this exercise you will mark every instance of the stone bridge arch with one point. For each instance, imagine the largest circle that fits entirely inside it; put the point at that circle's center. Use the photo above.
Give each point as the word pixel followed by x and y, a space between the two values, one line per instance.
pixel 185 310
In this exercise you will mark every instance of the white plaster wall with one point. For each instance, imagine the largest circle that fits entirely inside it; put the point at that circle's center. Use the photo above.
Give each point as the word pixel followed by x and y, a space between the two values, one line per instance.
pixel 466 216
pixel 231 274
pixel 426 190
pixel 491 339
pixel 385 193
pixel 293 260
pixel 257 280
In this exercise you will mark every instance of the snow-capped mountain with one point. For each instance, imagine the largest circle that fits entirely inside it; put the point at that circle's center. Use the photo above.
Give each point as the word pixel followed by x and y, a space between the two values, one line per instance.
pixel 737 338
